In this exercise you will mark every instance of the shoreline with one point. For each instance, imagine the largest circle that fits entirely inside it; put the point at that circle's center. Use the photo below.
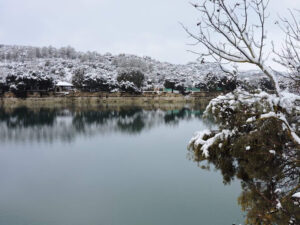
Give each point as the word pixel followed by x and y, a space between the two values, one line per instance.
pixel 35 99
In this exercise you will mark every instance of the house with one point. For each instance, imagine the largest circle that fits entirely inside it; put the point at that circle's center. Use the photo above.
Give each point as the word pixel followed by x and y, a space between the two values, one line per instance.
pixel 63 86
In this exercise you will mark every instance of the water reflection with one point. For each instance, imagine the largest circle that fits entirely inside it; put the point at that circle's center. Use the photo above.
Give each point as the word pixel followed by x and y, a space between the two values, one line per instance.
pixel 49 124
pixel 124 165
pixel 268 180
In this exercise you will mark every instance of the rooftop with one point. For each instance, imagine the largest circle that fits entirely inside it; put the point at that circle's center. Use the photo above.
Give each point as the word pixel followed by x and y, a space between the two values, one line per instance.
pixel 64 84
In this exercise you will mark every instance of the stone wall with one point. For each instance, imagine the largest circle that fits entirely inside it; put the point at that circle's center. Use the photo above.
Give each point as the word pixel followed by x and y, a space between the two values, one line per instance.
pixel 102 98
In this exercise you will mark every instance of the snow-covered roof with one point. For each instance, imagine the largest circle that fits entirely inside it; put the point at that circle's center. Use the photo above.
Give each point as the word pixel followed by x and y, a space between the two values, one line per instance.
pixel 64 84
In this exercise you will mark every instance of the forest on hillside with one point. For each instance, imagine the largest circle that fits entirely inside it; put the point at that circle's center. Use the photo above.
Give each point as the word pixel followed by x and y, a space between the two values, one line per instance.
pixel 26 68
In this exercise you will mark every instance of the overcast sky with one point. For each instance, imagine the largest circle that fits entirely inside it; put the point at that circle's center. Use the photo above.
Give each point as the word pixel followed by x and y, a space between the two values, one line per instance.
pixel 142 27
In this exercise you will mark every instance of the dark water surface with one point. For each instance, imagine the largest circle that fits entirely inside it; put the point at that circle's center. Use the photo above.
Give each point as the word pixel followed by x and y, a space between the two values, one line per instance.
pixel 120 166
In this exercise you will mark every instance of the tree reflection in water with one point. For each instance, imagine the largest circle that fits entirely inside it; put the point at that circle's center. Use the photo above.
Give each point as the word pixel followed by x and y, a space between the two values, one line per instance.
pixel 268 178
pixel 50 124
pixel 23 117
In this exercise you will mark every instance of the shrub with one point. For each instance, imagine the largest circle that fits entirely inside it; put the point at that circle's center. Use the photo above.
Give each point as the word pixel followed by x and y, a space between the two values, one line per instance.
pixel 134 76
pixel 3 86
pixel 266 85
pixel 170 84
pixel 213 82
pixel 129 87
pixel 78 78
pixel 27 82
pixel 96 83
pixel 174 84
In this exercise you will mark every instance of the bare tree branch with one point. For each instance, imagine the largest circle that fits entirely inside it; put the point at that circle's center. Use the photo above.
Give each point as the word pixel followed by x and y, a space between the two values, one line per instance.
pixel 289 55
pixel 234 38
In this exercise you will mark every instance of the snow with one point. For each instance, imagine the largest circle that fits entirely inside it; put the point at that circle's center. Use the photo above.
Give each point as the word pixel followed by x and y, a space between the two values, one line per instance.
pixel 13 87
pixel 62 64
pixel 261 100
pixel 268 115
pixel 63 84
pixel 278 190
pixel 273 152
pixel 250 120
pixel 281 117
pixel 288 99
pixel 259 106
pixel 61 67
pixel 296 195
pixel 198 140
pixel 278 205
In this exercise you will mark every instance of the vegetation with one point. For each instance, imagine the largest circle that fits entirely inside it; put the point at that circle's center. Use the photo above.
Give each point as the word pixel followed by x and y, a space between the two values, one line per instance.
pixel 256 147
pixel 131 80
pixel 258 140
pixel 175 84
pixel 212 83
pixel 20 123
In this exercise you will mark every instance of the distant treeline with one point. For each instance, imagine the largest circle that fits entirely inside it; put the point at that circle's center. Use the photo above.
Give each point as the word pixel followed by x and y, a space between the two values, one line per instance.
pixel 27 68
pixel 131 81
pixel 21 53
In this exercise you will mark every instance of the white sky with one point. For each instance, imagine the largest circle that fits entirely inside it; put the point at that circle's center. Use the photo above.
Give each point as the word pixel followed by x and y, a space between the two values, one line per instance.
pixel 141 27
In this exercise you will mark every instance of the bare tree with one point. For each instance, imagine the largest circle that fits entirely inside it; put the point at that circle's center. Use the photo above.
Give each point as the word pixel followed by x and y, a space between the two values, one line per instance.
pixel 234 32
pixel 289 56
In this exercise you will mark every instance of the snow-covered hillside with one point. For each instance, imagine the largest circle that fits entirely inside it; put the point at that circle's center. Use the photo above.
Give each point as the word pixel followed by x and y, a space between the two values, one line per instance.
pixel 62 64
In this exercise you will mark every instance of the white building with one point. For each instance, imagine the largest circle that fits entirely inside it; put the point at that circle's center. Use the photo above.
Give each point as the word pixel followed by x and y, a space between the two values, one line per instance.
pixel 63 86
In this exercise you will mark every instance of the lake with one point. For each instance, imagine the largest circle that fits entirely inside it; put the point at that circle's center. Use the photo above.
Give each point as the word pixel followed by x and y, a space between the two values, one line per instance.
pixel 108 166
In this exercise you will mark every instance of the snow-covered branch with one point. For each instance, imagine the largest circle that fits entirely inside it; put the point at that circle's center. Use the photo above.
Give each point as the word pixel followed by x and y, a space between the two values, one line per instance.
pixel 240 113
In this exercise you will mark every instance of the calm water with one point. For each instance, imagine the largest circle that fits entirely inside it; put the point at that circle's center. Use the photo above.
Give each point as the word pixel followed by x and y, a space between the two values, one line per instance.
pixel 121 166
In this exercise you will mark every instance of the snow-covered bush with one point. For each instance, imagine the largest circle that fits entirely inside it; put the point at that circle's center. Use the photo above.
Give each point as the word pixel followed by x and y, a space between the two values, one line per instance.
pixel 99 83
pixel 241 112
pixel 131 62
pixel 94 81
pixel 78 78
pixel 254 80
pixel 266 85
pixel 133 76
pixel 211 82
pixel 32 81
pixel 175 84
pixel 3 86
pixel 129 87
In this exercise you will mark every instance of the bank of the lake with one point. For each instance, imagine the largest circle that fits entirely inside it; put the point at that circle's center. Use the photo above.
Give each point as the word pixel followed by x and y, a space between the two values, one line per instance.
pixel 101 98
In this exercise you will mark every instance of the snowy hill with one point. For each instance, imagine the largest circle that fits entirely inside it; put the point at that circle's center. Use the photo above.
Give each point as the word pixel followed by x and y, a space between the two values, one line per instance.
pixel 93 68
pixel 61 64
